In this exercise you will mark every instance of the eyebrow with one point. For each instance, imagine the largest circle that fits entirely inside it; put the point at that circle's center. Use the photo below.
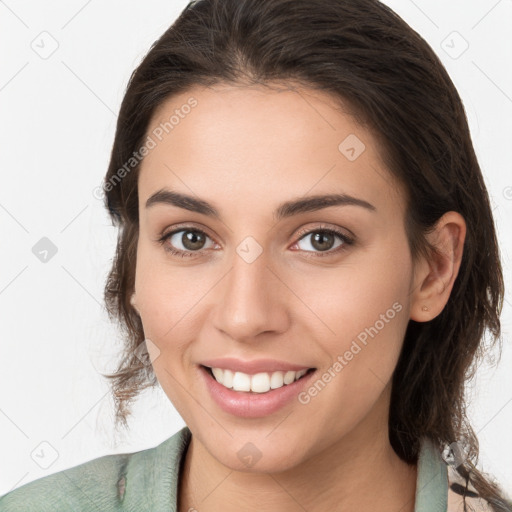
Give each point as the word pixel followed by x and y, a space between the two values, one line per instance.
pixel 285 210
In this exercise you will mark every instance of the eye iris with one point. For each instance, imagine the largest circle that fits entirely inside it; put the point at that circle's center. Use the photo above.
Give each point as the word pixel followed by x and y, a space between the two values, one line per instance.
pixel 192 240
pixel 322 236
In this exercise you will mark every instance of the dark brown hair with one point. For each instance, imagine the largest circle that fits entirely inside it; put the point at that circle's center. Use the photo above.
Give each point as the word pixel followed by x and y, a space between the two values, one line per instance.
pixel 367 57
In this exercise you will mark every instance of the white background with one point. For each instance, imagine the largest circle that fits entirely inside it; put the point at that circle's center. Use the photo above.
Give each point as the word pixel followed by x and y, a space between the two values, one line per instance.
pixel 56 129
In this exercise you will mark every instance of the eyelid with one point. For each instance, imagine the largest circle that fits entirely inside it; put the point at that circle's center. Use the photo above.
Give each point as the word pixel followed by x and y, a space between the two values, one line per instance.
pixel 327 227
pixel 187 226
pixel 347 239
pixel 176 228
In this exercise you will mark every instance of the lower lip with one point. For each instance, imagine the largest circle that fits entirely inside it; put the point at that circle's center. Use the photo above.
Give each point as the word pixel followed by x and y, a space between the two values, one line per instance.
pixel 249 404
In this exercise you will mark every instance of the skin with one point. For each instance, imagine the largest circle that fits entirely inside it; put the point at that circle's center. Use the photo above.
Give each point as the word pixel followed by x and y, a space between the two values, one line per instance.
pixel 246 150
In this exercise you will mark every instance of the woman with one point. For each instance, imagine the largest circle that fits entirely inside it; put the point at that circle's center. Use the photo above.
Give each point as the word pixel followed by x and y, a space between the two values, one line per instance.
pixel 306 264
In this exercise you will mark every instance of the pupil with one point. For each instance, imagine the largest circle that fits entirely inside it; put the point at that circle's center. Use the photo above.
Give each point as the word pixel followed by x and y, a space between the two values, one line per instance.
pixel 192 240
pixel 319 245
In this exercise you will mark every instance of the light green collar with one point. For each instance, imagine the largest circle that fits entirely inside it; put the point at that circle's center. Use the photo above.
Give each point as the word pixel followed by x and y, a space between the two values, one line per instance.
pixel 432 480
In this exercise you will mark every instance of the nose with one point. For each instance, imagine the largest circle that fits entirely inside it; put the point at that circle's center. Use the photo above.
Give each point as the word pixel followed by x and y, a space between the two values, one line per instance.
pixel 251 300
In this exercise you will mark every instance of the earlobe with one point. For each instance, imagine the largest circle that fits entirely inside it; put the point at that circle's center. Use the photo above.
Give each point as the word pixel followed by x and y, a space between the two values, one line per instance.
pixel 133 302
pixel 434 278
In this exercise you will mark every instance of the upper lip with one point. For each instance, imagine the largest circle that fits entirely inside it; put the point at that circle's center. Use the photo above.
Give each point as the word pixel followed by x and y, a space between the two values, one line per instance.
pixel 254 366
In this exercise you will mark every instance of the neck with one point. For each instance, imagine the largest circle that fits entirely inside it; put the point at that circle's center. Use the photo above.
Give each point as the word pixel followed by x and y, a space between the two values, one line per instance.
pixel 360 472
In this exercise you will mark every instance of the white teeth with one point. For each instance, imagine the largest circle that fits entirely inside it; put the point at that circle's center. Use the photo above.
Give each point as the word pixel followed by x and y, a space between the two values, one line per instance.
pixel 276 380
pixel 241 382
pixel 289 377
pixel 227 376
pixel 258 383
pixel 300 373
pixel 217 373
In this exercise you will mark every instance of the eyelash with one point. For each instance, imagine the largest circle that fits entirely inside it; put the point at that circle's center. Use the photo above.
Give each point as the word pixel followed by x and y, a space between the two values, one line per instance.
pixel 347 241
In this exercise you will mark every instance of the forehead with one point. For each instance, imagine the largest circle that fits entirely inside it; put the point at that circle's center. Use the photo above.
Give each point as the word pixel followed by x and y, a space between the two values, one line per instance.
pixel 260 145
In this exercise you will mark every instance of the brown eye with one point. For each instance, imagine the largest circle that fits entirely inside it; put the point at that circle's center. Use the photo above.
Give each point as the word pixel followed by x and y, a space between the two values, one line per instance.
pixel 184 241
pixel 192 240
pixel 324 240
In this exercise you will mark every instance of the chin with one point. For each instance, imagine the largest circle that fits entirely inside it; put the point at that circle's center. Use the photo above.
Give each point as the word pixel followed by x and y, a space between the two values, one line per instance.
pixel 254 457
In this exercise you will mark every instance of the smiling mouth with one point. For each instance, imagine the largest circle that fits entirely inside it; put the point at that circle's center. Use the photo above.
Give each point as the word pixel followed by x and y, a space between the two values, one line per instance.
pixel 259 383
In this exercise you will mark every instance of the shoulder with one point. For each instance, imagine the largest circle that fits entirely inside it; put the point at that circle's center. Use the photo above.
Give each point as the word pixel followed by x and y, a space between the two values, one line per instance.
pixel 91 482
pixel 101 484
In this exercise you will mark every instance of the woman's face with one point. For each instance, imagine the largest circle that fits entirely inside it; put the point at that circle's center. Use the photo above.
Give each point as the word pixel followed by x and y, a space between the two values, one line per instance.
pixel 261 280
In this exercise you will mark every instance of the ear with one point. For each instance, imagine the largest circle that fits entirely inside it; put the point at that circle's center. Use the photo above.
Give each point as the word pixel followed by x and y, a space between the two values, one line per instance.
pixel 133 302
pixel 433 278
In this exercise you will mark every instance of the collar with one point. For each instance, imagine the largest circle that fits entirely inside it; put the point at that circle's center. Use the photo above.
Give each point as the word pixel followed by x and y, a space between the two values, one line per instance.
pixel 151 476
pixel 432 480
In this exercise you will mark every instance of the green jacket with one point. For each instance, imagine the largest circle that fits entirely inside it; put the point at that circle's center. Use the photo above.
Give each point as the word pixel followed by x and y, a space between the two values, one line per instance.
pixel 147 481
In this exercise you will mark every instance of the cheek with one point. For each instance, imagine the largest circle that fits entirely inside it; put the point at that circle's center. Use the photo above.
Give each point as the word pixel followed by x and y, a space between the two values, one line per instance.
pixel 165 299
pixel 365 307
pixel 351 296
pixel 167 294
pixel 363 311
